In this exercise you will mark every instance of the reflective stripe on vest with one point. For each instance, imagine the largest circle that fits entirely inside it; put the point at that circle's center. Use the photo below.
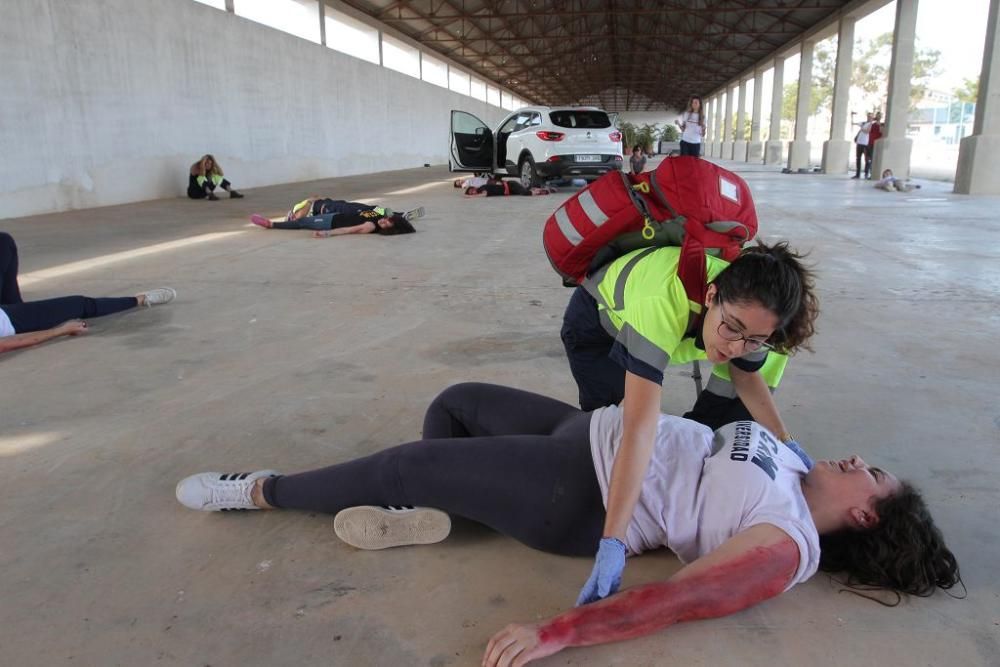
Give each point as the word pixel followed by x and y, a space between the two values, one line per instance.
pixel 721 383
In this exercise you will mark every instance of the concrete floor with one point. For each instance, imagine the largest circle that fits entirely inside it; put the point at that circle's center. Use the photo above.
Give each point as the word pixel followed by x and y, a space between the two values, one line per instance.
pixel 288 352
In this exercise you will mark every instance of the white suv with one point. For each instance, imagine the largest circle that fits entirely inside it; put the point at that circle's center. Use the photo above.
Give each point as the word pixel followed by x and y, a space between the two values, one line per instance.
pixel 537 143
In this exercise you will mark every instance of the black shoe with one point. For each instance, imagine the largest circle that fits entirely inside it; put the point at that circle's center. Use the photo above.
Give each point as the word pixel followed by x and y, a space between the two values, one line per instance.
pixel 211 197
pixel 233 194
pixel 855 177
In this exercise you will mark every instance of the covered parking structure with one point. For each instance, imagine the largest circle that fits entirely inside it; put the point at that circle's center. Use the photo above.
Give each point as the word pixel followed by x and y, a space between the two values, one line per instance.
pixel 289 352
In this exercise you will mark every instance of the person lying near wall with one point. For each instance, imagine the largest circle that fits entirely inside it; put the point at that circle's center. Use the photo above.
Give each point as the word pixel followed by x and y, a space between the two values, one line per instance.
pixel 475 181
pixel 205 176
pixel 504 189
pixel 27 323
pixel 362 219
pixel 748 515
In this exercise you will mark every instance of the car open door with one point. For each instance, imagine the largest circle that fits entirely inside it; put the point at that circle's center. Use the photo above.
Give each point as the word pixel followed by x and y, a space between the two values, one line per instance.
pixel 471 143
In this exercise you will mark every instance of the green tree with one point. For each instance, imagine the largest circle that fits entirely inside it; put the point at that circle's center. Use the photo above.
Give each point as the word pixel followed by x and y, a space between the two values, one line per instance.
pixel 871 67
pixel 968 91
pixel 870 73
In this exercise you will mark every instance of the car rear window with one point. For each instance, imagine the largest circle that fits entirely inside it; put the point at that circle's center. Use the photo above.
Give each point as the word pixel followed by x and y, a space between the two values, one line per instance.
pixel 580 118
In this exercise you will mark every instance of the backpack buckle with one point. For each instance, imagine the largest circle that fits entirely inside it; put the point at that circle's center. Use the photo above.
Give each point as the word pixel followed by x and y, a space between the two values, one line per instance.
pixel 647 229
pixel 641 187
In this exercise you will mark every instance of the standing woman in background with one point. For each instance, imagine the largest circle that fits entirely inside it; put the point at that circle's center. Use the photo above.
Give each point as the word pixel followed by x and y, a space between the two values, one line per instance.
pixel 692 128
pixel 206 175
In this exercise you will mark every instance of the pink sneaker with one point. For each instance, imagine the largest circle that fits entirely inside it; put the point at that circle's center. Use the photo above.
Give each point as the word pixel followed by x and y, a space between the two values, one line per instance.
pixel 260 221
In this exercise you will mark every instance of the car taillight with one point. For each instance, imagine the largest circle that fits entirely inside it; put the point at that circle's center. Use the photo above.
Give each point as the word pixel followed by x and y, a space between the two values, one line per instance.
pixel 554 158
pixel 549 136
pixel 616 136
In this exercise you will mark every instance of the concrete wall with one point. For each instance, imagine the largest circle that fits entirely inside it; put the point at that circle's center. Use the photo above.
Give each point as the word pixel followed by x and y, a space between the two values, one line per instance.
pixel 110 101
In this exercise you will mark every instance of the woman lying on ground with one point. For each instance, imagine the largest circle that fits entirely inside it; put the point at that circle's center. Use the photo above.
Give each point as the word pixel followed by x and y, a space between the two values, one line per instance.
pixel 205 176
pixel 314 206
pixel 23 324
pixel 746 513
pixel 504 189
pixel 338 224
pixel 475 181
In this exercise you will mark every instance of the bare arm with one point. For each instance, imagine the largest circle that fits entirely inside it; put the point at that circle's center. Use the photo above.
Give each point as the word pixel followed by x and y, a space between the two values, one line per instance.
pixel 18 341
pixel 754 393
pixel 640 414
pixel 363 228
pixel 751 567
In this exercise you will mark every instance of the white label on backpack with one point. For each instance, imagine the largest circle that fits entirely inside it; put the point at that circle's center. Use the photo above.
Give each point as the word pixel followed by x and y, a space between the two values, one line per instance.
pixel 728 189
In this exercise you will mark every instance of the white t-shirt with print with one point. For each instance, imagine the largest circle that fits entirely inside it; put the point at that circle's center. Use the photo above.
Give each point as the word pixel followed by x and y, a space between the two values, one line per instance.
pixel 6 328
pixel 692 129
pixel 702 488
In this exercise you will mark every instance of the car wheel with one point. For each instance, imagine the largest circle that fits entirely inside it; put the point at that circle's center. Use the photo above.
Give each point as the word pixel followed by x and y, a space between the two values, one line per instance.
pixel 529 175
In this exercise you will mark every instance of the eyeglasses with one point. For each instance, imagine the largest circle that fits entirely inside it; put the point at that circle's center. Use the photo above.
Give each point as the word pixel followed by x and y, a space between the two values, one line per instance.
pixel 731 333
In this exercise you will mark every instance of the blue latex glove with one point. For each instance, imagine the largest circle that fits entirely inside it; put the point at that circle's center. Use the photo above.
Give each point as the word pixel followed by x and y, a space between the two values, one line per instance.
pixel 607 574
pixel 801 453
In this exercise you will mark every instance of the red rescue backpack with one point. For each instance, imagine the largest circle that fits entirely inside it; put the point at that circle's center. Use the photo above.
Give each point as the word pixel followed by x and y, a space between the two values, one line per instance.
pixel 686 202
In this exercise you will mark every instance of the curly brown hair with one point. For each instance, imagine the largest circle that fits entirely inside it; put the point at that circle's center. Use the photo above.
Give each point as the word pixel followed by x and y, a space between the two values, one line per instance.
pixel 905 551
pixel 774 277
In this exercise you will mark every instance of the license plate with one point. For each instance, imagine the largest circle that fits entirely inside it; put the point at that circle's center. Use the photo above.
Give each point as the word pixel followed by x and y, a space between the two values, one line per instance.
pixel 588 158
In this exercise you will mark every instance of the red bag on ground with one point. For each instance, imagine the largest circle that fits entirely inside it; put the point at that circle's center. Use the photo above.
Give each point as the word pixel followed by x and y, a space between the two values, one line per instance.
pixel 686 202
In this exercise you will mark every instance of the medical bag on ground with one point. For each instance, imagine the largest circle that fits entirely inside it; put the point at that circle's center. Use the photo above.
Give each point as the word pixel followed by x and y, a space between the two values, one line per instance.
pixel 686 202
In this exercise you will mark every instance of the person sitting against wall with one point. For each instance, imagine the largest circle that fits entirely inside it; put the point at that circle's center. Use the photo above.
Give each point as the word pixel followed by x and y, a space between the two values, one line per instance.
pixel 27 323
pixel 747 515
pixel 506 188
pixel 205 176
pixel 638 160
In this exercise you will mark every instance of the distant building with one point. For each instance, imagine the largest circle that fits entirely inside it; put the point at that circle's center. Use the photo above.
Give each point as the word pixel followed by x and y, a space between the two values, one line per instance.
pixel 941 117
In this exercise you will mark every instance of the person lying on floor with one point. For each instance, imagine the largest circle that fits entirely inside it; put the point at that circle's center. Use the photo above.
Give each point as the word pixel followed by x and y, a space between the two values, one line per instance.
pixel 321 205
pixel 747 515
pixel 337 224
pixel 475 181
pixel 504 189
pixel 27 323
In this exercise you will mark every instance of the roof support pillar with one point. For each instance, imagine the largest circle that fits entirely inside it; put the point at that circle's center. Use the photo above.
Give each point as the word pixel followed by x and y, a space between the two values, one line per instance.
pixel 798 149
pixel 979 153
pixel 893 150
pixel 774 147
pixel 740 135
pixel 837 149
pixel 755 149
pixel 708 140
pixel 727 125
pixel 720 125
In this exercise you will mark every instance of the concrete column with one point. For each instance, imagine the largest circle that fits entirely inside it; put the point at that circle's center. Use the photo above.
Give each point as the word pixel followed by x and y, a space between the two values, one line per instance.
pixel 798 149
pixel 727 126
pixel 322 29
pixel 755 149
pixel 720 125
pixel 707 137
pixel 837 149
pixel 774 147
pixel 740 138
pixel 979 153
pixel 893 150
pixel 230 7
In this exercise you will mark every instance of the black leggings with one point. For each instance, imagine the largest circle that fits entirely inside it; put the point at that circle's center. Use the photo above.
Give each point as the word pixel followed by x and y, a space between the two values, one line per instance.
pixel 9 291
pixel 860 151
pixel 323 222
pixel 688 148
pixel 517 462
pixel 40 315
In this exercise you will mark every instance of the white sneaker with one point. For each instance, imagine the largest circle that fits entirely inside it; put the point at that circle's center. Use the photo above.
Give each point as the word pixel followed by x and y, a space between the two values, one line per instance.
pixel 219 492
pixel 373 527
pixel 159 296
pixel 415 214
